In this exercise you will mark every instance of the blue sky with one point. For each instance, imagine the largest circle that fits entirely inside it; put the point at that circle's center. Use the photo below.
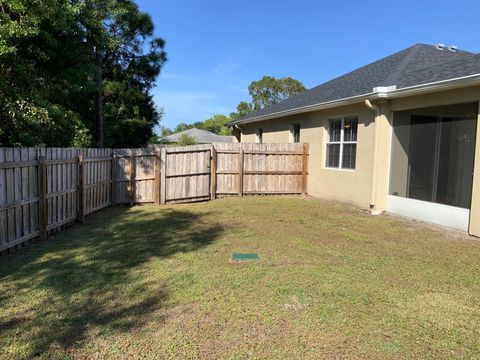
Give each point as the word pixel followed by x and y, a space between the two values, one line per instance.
pixel 216 48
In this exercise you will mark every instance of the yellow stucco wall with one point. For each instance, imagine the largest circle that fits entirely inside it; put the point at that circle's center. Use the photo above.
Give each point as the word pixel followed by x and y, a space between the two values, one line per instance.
pixel 352 186
pixel 475 208
pixel 355 186
pixel 457 96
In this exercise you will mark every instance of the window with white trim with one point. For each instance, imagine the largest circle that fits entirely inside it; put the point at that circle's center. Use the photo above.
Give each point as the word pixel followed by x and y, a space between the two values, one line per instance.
pixel 342 143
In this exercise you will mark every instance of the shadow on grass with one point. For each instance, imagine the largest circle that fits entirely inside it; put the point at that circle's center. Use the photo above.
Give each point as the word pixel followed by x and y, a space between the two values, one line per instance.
pixel 89 279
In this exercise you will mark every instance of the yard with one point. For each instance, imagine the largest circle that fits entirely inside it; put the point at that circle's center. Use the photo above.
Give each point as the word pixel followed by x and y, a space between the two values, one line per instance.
pixel 331 282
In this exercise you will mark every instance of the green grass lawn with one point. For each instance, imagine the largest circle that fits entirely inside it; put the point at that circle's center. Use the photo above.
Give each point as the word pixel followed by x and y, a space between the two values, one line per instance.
pixel 159 282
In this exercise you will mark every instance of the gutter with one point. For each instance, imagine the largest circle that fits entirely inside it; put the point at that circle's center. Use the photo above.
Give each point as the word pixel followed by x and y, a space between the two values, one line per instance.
pixel 308 108
pixel 389 92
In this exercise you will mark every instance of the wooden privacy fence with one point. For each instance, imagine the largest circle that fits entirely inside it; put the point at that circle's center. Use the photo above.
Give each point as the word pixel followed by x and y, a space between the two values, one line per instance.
pixel 45 189
pixel 257 169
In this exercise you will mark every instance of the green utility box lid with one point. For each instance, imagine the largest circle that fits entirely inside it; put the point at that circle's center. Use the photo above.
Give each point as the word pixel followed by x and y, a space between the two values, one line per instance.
pixel 240 256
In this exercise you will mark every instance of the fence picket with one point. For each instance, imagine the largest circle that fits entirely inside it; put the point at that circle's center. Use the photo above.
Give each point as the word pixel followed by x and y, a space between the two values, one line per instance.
pixel 45 189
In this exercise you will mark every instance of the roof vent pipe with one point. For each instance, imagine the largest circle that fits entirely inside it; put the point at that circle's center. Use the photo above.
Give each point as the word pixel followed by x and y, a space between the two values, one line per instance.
pixel 440 46
pixel 453 48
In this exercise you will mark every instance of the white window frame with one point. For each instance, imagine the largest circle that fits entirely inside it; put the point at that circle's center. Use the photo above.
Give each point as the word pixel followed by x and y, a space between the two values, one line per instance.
pixel 341 143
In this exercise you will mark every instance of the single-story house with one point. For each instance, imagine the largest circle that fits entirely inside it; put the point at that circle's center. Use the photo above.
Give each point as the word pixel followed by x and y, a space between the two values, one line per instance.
pixel 397 135
pixel 201 137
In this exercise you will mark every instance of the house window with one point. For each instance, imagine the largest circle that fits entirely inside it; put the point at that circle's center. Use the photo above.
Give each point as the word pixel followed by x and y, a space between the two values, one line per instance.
pixel 259 135
pixel 342 143
pixel 295 130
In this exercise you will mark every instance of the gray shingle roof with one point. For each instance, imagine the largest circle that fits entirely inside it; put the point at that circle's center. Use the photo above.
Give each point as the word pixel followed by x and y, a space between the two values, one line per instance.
pixel 200 135
pixel 416 65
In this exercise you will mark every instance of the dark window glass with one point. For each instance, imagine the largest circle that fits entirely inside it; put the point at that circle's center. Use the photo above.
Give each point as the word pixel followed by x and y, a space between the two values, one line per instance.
pixel 441 160
pixel 334 130
pixel 350 126
pixel 333 155
pixel 260 135
pixel 348 156
pixel 423 134
pixel 296 133
pixel 455 162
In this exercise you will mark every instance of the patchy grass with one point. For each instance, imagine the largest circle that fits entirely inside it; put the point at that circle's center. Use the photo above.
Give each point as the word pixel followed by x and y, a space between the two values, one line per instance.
pixel 331 282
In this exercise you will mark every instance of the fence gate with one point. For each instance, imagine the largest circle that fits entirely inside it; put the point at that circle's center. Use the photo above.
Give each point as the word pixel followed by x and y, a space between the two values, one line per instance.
pixel 185 174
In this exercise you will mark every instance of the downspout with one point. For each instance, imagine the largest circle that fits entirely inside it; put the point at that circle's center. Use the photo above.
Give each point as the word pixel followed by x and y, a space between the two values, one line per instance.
pixel 373 189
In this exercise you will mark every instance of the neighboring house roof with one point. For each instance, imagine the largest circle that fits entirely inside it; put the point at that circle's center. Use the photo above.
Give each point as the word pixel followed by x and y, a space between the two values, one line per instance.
pixel 201 136
pixel 416 65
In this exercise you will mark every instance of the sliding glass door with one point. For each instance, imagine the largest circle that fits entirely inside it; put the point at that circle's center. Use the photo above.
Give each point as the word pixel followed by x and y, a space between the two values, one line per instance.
pixel 455 162
pixel 423 148
pixel 440 160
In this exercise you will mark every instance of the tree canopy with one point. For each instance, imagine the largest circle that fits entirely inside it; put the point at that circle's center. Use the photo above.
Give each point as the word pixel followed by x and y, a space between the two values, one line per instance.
pixel 77 72
pixel 269 90
pixel 264 92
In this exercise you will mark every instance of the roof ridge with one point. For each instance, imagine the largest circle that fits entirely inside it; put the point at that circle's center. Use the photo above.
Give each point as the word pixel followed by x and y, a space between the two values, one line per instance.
pixel 446 48
pixel 400 68
pixel 408 50
pixel 471 55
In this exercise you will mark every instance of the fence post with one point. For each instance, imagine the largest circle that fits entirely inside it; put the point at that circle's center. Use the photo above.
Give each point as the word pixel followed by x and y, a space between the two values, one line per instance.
pixel 133 166
pixel 114 180
pixel 81 189
pixel 240 172
pixel 156 192
pixel 42 197
pixel 213 173
pixel 304 168
pixel 163 178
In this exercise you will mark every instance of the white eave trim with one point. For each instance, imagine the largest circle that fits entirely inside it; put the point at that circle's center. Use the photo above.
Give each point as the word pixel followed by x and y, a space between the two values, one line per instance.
pixel 455 83
pixel 309 108
pixel 389 92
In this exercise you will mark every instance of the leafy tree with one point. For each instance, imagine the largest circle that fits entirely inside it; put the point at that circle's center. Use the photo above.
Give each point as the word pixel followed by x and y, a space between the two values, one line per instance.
pixel 186 140
pixel 243 108
pixel 217 124
pixel 160 138
pixel 165 131
pixel 182 127
pixel 127 59
pixel 69 66
pixel 40 47
pixel 269 90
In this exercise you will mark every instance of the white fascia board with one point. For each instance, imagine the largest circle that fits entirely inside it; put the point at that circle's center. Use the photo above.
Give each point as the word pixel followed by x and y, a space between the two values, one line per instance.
pixel 380 92
pixel 456 83
pixel 309 108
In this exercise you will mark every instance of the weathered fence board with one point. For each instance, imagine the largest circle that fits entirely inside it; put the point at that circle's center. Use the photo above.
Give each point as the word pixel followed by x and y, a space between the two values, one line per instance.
pixel 135 175
pixel 187 174
pixel 260 168
pixel 45 189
